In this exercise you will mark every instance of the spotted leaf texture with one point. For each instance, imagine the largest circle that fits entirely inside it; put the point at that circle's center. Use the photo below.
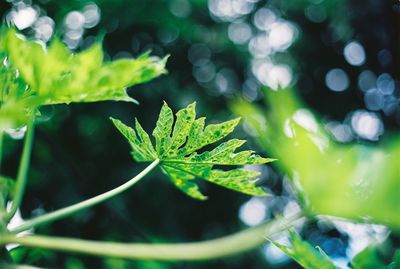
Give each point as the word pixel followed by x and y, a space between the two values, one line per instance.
pixel 177 141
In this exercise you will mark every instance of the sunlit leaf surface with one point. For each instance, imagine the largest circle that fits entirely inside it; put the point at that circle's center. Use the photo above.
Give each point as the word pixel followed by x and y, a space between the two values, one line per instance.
pixel 33 75
pixel 15 104
pixel 177 145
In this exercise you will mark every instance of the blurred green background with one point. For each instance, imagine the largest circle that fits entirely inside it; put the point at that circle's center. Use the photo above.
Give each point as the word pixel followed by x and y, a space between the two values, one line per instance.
pixel 340 57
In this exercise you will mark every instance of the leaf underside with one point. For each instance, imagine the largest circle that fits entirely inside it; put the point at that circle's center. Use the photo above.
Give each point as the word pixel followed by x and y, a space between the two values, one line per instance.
pixel 176 146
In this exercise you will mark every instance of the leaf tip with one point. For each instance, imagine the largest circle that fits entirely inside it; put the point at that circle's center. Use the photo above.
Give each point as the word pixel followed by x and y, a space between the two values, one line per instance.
pixel 269 160
pixel 192 105
pixel 236 121
pixel 164 60
pixel 203 198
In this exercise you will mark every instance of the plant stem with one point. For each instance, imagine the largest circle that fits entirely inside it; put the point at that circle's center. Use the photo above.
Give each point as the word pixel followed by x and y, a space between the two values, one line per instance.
pixel 3 211
pixel 23 169
pixel 203 250
pixel 1 146
pixel 66 211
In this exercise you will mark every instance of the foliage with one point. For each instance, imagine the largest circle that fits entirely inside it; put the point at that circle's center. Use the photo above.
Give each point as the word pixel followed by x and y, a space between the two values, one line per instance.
pixel 178 147
pixel 305 254
pixel 33 76
pixel 358 180
pixel 315 258
pixel 12 89
pixel 373 257
pixel 367 259
pixel 55 75
pixel 300 151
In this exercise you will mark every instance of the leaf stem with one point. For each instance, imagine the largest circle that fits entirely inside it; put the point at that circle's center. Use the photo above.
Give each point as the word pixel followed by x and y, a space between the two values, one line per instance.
pixel 1 146
pixel 195 251
pixel 66 211
pixel 23 169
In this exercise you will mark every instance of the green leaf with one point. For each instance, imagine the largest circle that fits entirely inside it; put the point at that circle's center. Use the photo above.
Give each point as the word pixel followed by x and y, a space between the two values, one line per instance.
pixel 16 104
pixel 163 129
pixel 305 254
pixel 33 75
pixel 395 264
pixel 326 170
pixel 376 257
pixel 176 146
pixel 142 150
pixel 183 182
pixel 59 76
pixel 368 259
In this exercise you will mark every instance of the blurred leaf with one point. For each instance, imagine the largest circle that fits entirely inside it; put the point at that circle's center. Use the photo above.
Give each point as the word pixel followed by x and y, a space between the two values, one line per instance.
pixel 73 263
pixel 33 75
pixel 367 259
pixel 58 76
pixel 21 255
pixel 115 263
pixel 305 254
pixel 176 146
pixel 356 181
pixel 374 257
pixel 152 265
pixel 16 105
pixel 395 264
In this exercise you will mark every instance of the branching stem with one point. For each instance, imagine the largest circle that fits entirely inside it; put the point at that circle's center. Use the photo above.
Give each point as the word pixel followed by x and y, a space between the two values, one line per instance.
pixel 66 211
pixel 203 250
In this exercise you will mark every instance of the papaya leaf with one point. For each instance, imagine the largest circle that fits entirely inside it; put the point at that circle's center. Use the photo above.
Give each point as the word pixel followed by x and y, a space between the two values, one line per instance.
pixel 312 154
pixel 16 106
pixel 305 254
pixel 33 75
pixel 176 146
pixel 59 76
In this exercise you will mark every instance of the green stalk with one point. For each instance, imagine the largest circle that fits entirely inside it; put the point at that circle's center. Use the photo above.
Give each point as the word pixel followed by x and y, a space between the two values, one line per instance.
pixel 23 169
pixel 203 250
pixel 1 146
pixel 3 211
pixel 66 211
